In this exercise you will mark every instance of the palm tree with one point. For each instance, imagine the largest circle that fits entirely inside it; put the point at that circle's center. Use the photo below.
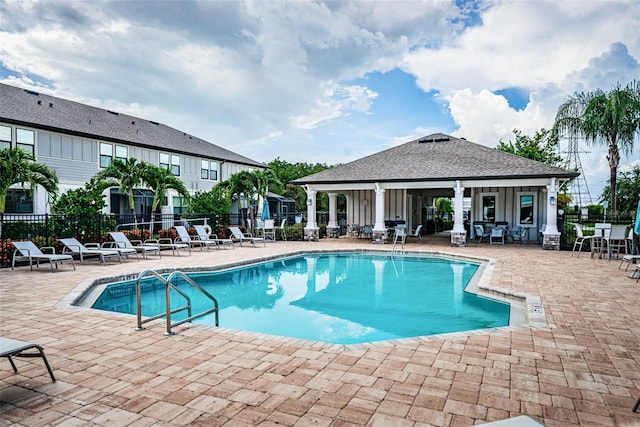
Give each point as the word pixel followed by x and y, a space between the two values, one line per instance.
pixel 611 118
pixel 250 184
pixel 127 175
pixel 160 180
pixel 19 167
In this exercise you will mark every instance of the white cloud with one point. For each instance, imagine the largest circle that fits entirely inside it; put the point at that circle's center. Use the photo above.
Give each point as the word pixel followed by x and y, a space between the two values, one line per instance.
pixel 288 79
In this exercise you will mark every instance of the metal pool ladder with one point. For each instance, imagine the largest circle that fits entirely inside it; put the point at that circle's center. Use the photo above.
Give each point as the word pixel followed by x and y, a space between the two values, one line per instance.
pixel 168 286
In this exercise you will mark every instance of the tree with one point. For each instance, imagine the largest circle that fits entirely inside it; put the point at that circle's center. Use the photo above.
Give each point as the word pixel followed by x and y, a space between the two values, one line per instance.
pixel 627 191
pixel 19 167
pixel 543 147
pixel 127 175
pixel 250 184
pixel 161 180
pixel 86 201
pixel 210 202
pixel 287 172
pixel 604 118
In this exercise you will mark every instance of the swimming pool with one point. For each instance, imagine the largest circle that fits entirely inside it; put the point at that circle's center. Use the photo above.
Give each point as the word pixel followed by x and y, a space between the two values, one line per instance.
pixel 340 298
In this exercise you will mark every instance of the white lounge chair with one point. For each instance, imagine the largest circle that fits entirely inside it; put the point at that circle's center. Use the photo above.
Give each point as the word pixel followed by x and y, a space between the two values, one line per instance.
pixel 29 251
pixel 239 236
pixel 121 241
pixel 167 243
pixel 73 247
pixel 204 233
pixel 13 348
pixel 184 237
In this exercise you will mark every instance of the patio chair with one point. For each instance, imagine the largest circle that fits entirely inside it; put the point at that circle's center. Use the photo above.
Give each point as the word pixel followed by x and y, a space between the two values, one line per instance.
pixel 283 233
pixel 239 236
pixel 121 241
pixel 29 251
pixel 13 348
pixel 73 247
pixel 269 230
pixel 480 232
pixel 580 239
pixel 367 231
pixel 204 234
pixel 416 233
pixel 616 240
pixel 184 237
pixel 496 235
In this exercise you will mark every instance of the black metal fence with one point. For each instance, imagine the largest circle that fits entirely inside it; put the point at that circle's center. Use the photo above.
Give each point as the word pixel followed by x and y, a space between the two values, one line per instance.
pixel 46 228
pixel 568 231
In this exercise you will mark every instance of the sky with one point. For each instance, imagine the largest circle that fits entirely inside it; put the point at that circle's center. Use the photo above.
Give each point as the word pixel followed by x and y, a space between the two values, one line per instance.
pixel 329 81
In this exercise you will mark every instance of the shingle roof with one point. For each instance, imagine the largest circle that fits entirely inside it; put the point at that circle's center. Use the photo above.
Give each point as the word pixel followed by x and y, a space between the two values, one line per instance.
pixel 20 106
pixel 437 157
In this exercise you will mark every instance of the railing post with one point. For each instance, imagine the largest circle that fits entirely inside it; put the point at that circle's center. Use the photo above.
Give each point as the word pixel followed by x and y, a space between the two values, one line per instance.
pixel 47 232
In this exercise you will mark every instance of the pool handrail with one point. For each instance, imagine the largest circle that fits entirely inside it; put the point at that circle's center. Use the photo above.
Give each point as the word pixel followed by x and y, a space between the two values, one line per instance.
pixel 168 287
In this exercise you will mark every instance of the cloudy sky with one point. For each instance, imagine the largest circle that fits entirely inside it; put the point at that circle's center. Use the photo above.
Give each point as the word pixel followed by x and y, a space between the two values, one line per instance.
pixel 332 81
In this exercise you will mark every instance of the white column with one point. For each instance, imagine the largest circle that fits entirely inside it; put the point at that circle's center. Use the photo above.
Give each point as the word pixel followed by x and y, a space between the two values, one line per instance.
pixel 552 205
pixel 333 204
pixel 458 221
pixel 311 208
pixel 379 225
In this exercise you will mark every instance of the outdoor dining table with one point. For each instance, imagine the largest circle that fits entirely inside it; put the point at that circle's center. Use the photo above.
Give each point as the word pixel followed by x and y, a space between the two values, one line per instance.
pixel 599 242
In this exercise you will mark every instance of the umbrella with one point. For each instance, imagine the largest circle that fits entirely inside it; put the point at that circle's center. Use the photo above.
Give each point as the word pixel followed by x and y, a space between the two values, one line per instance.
pixel 636 228
pixel 265 211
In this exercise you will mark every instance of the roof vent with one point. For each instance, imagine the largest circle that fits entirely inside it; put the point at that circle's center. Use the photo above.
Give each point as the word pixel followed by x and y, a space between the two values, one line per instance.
pixel 133 123
pixel 51 105
pixel 112 112
pixel 39 102
pixel 31 92
pixel 434 139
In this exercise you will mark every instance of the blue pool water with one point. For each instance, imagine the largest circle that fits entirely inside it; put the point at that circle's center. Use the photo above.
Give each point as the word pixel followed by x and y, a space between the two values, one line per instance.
pixel 341 298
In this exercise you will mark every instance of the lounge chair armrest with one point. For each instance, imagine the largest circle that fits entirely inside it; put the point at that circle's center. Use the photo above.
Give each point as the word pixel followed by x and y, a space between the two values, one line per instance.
pixel 136 242
pixel 153 242
pixel 108 245
pixel 164 240
pixel 48 249
pixel 92 245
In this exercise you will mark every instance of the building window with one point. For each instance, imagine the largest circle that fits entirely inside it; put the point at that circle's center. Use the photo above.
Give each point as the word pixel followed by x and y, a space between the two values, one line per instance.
pixel 5 137
pixel 164 160
pixel 526 209
pixel 180 205
pixel 25 139
pixel 19 201
pixel 175 164
pixel 489 207
pixel 122 152
pixel 106 154
pixel 209 170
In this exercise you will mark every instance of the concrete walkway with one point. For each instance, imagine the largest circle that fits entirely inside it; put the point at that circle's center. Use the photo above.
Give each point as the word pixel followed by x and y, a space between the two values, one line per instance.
pixel 582 369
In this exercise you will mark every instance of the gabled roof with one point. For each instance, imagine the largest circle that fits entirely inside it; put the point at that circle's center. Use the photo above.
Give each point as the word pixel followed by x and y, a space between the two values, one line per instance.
pixel 40 111
pixel 436 157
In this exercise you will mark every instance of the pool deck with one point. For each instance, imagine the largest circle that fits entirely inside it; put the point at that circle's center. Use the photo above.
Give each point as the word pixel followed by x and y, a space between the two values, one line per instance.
pixel 582 368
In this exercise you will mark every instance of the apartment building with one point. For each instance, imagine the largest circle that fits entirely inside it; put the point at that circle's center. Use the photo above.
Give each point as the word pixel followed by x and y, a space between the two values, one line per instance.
pixel 77 140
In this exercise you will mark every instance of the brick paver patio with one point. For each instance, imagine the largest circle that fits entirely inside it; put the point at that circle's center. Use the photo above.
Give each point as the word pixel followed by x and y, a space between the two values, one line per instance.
pixel 581 369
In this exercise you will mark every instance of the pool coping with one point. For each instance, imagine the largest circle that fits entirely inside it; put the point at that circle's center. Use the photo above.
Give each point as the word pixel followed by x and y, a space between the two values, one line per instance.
pixel 531 304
